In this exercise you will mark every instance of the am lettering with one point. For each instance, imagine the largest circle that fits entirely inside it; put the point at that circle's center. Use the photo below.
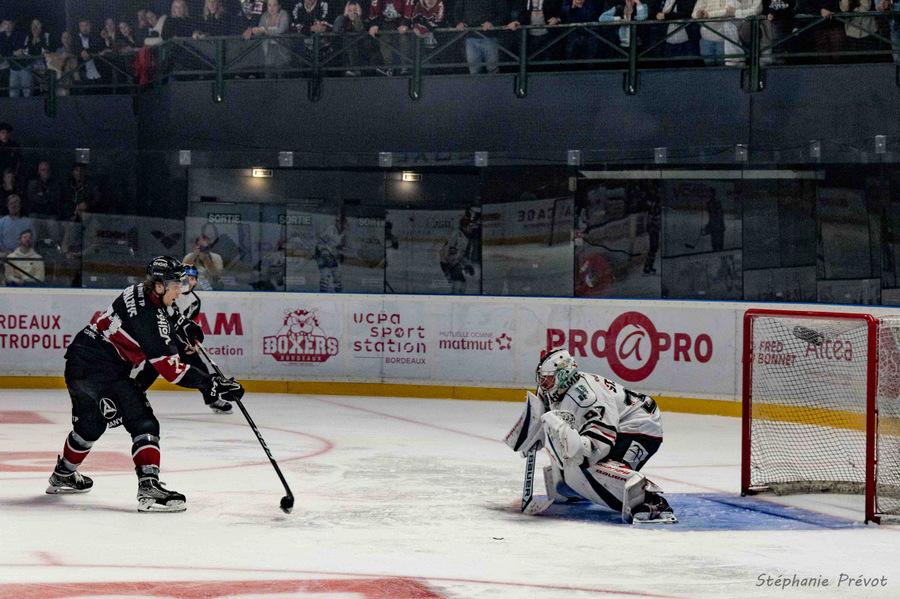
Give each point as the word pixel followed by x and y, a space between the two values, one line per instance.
pixel 223 324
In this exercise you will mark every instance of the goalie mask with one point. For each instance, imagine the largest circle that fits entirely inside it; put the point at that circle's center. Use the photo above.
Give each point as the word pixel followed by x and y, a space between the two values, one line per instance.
pixel 555 373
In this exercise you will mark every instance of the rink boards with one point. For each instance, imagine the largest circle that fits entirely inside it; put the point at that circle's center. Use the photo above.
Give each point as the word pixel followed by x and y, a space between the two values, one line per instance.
pixel 426 346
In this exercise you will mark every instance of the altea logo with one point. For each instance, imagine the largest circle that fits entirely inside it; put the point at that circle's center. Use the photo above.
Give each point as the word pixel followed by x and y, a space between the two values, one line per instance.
pixel 632 345
pixel 300 339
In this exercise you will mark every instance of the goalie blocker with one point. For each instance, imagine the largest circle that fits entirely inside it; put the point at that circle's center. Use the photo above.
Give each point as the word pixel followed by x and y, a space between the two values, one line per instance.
pixel 598 436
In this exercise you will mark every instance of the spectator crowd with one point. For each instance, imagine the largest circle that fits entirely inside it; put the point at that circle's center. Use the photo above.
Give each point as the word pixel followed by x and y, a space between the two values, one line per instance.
pixel 111 50
pixel 41 211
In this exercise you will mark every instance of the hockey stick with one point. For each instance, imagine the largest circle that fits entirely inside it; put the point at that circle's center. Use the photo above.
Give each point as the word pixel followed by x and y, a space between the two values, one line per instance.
pixel 532 505
pixel 528 487
pixel 287 502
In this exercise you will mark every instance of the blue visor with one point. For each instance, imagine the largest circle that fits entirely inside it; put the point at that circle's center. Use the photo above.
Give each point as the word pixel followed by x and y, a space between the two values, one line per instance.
pixel 190 270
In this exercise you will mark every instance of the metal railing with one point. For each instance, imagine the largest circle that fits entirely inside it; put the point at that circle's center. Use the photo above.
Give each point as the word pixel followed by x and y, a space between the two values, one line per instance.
pixel 753 44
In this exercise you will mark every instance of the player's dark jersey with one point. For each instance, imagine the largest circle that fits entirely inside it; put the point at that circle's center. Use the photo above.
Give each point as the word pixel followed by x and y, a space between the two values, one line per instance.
pixel 134 331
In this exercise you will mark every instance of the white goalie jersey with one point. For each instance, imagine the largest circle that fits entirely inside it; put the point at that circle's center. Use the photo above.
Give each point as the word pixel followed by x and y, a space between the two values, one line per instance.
pixel 604 409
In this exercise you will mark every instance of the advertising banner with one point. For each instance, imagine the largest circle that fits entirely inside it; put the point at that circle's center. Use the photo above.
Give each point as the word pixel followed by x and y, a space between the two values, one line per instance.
pixel 690 349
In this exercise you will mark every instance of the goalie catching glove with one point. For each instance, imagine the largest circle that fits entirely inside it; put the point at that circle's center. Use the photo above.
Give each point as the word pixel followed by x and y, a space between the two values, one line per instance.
pixel 226 389
pixel 566 446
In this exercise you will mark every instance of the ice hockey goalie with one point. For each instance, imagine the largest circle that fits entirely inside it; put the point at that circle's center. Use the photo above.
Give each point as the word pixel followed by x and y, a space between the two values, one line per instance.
pixel 598 435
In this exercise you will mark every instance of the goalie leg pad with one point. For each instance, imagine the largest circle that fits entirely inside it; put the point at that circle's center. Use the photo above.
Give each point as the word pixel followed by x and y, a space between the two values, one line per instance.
pixel 557 489
pixel 613 484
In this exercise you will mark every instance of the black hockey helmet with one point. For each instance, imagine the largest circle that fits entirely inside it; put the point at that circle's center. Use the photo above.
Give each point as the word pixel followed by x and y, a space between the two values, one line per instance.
pixel 165 268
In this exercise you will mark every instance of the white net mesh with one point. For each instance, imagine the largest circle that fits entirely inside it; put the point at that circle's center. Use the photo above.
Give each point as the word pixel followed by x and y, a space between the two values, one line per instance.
pixel 809 406
pixel 809 403
pixel 887 495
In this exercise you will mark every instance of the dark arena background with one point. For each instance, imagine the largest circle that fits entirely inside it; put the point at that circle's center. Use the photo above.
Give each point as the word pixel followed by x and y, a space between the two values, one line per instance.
pixel 395 209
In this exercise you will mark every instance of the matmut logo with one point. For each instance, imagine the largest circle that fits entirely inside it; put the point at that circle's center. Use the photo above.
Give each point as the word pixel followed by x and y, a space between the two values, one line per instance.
pixel 300 339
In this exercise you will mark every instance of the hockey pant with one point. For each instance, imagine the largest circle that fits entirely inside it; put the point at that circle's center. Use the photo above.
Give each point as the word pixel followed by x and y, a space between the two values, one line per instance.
pixel 606 481
pixel 100 404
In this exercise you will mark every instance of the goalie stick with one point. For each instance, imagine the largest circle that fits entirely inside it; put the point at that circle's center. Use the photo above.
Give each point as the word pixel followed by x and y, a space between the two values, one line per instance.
pixel 532 505
pixel 287 502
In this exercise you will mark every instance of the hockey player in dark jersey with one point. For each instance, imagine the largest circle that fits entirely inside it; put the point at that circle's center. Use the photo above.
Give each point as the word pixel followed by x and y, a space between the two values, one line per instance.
pixel 136 329
pixel 185 311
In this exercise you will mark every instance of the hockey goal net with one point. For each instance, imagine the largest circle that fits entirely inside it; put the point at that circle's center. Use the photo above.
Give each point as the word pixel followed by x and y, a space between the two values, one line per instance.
pixel 821 412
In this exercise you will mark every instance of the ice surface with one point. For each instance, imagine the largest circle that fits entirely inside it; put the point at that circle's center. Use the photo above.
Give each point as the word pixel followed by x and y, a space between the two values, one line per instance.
pixel 398 498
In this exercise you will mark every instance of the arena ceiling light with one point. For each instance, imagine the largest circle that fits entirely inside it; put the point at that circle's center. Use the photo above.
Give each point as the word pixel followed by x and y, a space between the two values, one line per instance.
pixel 261 173
pixel 411 177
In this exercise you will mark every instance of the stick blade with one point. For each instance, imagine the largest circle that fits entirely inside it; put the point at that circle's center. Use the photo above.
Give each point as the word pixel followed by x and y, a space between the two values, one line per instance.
pixel 537 505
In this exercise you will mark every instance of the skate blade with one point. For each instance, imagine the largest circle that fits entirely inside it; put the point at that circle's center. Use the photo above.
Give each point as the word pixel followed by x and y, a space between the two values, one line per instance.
pixel 52 490
pixel 149 505
pixel 218 411
pixel 663 519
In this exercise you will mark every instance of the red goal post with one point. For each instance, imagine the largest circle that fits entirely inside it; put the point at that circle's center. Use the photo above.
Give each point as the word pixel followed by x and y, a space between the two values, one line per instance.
pixel 821 405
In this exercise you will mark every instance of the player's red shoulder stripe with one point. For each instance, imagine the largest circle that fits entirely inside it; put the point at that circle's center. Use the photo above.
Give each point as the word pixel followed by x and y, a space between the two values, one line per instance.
pixel 127 347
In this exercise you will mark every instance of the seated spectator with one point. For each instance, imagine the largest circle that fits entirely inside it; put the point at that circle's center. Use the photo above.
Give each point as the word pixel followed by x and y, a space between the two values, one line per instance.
pixel 109 39
pixel 778 25
pixel 251 11
pixel 351 22
pixel 79 189
pixel 19 74
pixel 86 45
pixel 142 26
pixel 10 150
pixel 309 17
pixel 149 29
pixel 537 13
pixel 274 22
pixel 713 45
pixel 482 51
pixel 632 10
pixel 72 246
pixel 681 42
pixel 215 20
pixel 829 36
pixel 126 43
pixel 109 36
pixel 426 16
pixel 12 225
pixel 37 44
pixel 894 7
pixel 24 266
pixel 63 62
pixel 8 186
pixel 743 9
pixel 859 31
pixel 7 27
pixel 209 264
pixel 179 22
pixel 391 15
pixel 581 44
pixel 45 195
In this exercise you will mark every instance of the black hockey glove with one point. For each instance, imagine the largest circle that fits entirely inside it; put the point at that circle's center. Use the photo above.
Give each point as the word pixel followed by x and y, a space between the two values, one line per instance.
pixel 226 389
pixel 192 332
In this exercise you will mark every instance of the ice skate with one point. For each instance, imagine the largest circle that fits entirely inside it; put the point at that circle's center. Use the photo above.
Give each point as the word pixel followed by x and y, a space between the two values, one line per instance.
pixel 654 510
pixel 219 406
pixel 153 497
pixel 64 481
